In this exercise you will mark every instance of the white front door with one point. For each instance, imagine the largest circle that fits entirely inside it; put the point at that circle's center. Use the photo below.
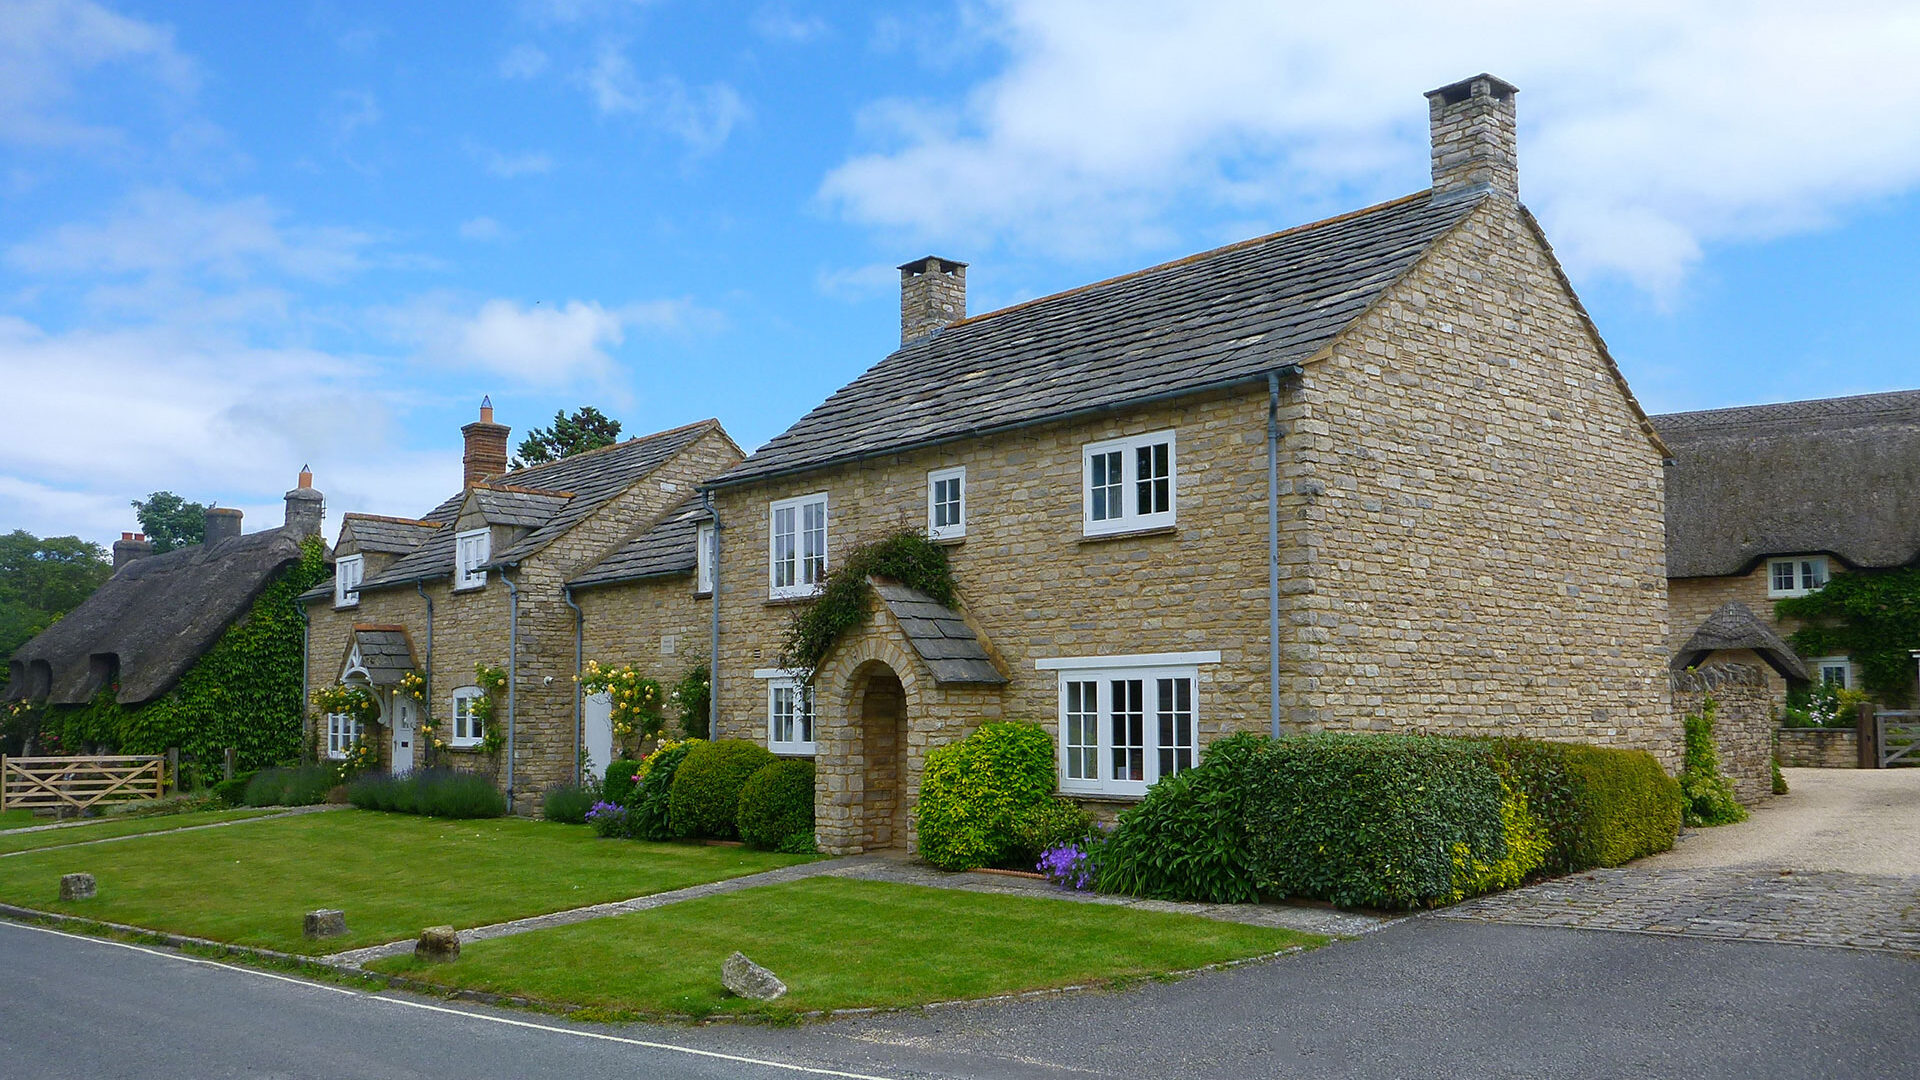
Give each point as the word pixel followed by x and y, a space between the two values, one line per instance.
pixel 405 729
pixel 597 739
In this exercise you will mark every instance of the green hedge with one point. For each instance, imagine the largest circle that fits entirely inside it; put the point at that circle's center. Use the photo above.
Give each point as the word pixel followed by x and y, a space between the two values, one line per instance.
pixel 300 785
pixel 776 803
pixel 1188 839
pixel 977 796
pixel 705 796
pixel 618 781
pixel 1626 806
pixel 233 792
pixel 431 792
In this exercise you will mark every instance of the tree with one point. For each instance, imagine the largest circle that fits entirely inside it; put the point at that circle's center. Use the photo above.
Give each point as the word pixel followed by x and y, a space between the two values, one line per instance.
pixel 171 521
pixel 41 580
pixel 587 429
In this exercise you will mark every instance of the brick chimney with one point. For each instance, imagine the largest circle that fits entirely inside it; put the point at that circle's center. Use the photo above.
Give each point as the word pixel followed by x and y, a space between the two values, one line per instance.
pixel 486 446
pixel 129 547
pixel 933 293
pixel 223 523
pixel 1472 125
pixel 306 508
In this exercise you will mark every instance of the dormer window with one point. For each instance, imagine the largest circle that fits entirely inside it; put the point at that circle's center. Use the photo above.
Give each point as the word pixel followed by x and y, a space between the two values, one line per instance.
pixel 347 574
pixel 1796 577
pixel 472 549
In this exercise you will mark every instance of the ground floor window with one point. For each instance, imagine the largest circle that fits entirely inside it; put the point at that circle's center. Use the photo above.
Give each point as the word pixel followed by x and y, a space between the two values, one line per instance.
pixel 1127 721
pixel 343 734
pixel 468 717
pixel 789 716
pixel 1835 671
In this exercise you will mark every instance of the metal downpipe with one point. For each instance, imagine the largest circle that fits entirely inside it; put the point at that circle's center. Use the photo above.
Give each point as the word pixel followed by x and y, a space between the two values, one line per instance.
pixel 306 638
pixel 579 629
pixel 1273 553
pixel 426 690
pixel 513 655
pixel 713 644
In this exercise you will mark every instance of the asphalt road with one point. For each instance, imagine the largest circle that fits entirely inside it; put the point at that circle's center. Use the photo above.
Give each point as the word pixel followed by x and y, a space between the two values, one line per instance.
pixel 1427 997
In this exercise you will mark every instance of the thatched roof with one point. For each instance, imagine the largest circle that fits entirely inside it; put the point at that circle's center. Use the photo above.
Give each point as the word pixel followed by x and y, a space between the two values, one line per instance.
pixel 151 621
pixel 1839 476
pixel 1733 627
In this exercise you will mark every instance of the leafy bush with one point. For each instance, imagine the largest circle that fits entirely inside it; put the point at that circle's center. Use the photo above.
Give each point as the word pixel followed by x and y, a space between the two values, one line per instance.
pixel 775 803
pixel 431 792
pixel 1625 806
pixel 618 780
pixel 651 799
pixel 842 603
pixel 1779 778
pixel 705 797
pixel 568 803
pixel 1188 839
pixel 299 785
pixel 1526 847
pixel 1052 824
pixel 693 697
pixel 800 843
pixel 233 792
pixel 1709 795
pixel 1822 705
pixel 978 795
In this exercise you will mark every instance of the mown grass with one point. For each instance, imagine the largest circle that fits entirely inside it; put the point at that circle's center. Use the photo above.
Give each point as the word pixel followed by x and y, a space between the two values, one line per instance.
pixel 18 819
pixel 119 826
pixel 392 874
pixel 840 944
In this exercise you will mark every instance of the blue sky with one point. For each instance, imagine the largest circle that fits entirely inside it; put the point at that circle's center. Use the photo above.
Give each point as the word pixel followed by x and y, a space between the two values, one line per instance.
pixel 231 244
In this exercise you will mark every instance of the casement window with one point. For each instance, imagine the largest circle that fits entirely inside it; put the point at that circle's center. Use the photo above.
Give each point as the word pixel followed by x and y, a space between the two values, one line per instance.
pixel 1127 721
pixel 1796 577
pixel 472 549
pixel 789 716
pixel 1835 671
pixel 947 503
pixel 347 574
pixel 468 721
pixel 797 546
pixel 703 558
pixel 1130 483
pixel 343 734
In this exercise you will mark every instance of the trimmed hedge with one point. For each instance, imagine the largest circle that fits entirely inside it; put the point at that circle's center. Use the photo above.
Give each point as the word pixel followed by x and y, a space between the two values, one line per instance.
pixel 1188 839
pixel 233 792
pixel 299 785
pixel 1626 806
pixel 618 781
pixel 430 792
pixel 977 795
pixel 705 796
pixel 776 802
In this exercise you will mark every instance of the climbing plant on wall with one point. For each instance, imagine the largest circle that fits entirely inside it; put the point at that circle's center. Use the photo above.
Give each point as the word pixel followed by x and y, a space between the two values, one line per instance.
pixel 906 557
pixel 1872 617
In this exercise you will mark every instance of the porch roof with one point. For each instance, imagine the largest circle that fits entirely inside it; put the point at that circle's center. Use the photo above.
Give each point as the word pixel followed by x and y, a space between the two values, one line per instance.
pixel 946 644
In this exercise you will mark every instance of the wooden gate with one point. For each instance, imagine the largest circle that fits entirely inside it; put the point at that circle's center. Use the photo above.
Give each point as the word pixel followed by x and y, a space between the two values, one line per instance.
pixel 1898 737
pixel 78 782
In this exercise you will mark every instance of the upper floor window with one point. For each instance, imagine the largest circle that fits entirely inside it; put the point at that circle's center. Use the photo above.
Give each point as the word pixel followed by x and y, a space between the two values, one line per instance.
pixel 347 574
pixel 797 546
pixel 469 721
pixel 1130 483
pixel 472 549
pixel 947 503
pixel 1127 721
pixel 703 538
pixel 1796 577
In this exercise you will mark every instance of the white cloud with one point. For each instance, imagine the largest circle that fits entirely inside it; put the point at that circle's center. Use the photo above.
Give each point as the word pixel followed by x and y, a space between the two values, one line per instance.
pixel 537 344
pixel 1648 129
pixel 523 61
pixel 47 46
pixel 481 228
pixel 857 282
pixel 700 116
pixel 508 166
pixel 777 22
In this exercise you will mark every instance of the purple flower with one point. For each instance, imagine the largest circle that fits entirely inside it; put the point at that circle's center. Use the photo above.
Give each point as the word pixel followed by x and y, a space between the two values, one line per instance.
pixel 1067 866
pixel 604 809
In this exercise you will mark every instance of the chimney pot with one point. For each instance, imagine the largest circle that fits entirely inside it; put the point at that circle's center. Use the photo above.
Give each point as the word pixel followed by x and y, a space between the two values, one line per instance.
pixel 1472 126
pixel 223 523
pixel 306 477
pixel 306 508
pixel 486 453
pixel 129 547
pixel 933 294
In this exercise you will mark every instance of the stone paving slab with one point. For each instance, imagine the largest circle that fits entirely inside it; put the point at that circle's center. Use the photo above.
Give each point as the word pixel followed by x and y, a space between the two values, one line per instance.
pixel 1823 908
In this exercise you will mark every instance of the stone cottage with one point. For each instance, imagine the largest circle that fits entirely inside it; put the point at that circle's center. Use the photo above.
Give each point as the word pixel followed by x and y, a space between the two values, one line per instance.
pixel 481 579
pixel 1373 473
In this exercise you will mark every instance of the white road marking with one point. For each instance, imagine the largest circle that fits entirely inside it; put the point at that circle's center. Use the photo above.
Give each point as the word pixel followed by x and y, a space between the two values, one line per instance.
pixel 503 1020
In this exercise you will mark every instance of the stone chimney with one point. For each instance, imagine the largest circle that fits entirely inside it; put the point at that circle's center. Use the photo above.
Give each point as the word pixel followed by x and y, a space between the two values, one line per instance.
pixel 306 508
pixel 129 547
pixel 933 293
pixel 223 523
pixel 1472 124
pixel 486 446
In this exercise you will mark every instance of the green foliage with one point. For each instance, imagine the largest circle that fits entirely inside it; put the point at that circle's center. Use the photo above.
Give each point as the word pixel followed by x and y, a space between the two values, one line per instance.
pixel 705 797
pixel 692 697
pixel 233 792
pixel 587 429
pixel 1625 806
pixel 170 521
pixel 568 803
pixel 1526 848
pixel 442 793
pixel 800 843
pixel 300 785
pixel 618 780
pixel 1537 771
pixel 41 580
pixel 243 693
pixel 651 797
pixel 1822 705
pixel 977 795
pixel 775 803
pixel 635 701
pixel 1052 823
pixel 1188 839
pixel 1779 778
pixel 1873 617
pixel 1709 795
pixel 906 557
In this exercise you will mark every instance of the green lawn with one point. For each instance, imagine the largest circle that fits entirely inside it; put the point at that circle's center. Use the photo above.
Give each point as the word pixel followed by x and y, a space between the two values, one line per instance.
pixel 119 826
pixel 392 874
pixel 843 944
pixel 18 819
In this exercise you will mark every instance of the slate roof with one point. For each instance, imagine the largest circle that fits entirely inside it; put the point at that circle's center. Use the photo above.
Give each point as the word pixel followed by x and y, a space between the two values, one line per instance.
pixel 388 535
pixel 1838 475
pixel 942 638
pixel 546 499
pixel 1735 626
pixel 665 548
pixel 1220 318
pixel 386 652
pixel 158 615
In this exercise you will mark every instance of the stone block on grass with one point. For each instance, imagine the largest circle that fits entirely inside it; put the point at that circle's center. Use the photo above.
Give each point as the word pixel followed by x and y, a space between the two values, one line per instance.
pixel 76 887
pixel 439 944
pixel 749 980
pixel 325 923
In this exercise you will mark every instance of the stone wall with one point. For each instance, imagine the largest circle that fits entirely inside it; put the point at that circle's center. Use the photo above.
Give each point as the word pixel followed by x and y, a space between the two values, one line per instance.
pixel 1819 748
pixel 1743 721
pixel 658 625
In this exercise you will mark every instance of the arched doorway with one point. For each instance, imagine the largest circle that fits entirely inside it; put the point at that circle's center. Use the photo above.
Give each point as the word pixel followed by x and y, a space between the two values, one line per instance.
pixel 879 704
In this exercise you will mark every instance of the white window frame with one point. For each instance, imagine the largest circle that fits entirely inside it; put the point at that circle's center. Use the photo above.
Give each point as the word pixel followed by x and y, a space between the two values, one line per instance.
pixel 1130 517
pixel 344 732
pixel 471 550
pixel 703 536
pixel 807 569
pixel 1808 573
pixel 956 529
pixel 806 720
pixel 1089 681
pixel 1843 663
pixel 464 715
pixel 348 572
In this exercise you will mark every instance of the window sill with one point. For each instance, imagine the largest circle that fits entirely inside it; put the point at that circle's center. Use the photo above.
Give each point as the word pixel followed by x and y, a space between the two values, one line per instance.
pixel 1130 534
pixel 474 748
pixel 467 588
pixel 785 601
pixel 779 751
pixel 948 541
pixel 354 603
pixel 1101 797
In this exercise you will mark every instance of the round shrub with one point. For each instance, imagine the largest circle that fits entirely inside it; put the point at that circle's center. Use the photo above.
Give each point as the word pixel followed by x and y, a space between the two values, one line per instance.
pixel 705 798
pixel 978 794
pixel 775 803
pixel 619 779
pixel 651 798
pixel 1188 839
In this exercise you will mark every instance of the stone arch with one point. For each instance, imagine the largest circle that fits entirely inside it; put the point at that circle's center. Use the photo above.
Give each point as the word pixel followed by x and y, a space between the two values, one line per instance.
pixel 865 698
